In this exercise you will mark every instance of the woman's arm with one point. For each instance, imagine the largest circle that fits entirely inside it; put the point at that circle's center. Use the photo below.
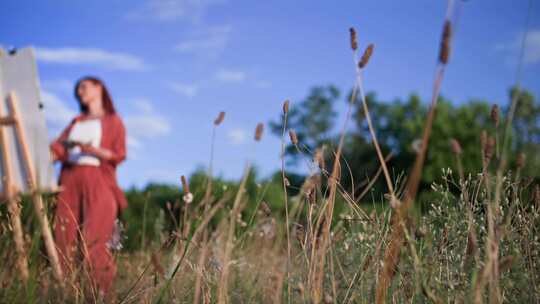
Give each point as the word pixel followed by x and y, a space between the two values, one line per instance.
pixel 59 147
pixel 119 145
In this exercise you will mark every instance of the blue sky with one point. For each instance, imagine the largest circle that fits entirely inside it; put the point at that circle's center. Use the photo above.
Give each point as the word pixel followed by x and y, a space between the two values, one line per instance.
pixel 172 65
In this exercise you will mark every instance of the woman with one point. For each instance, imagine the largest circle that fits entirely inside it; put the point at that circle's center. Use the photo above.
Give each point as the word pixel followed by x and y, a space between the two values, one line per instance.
pixel 90 149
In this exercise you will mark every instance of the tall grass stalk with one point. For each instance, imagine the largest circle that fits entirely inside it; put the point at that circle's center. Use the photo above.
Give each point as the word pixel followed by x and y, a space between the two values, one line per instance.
pixel 285 198
pixel 492 244
pixel 318 272
pixel 393 250
pixel 206 204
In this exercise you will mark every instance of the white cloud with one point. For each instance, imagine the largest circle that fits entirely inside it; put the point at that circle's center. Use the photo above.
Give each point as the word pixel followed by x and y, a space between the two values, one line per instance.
pixel 188 90
pixel 170 10
pixel 237 136
pixel 231 76
pixel 57 113
pixel 531 53
pixel 145 123
pixel 93 56
pixel 211 40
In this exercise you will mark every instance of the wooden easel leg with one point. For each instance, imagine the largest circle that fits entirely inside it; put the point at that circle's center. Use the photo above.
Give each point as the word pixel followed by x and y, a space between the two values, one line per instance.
pixel 48 239
pixel 15 219
pixel 13 207
pixel 37 199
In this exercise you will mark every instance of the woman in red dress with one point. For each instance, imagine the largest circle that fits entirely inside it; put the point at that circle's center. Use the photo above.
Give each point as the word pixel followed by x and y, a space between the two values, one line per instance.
pixel 90 149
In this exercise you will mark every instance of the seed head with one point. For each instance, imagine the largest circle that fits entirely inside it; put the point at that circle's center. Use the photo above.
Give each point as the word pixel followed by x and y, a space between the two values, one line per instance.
pixel 456 147
pixel 444 53
pixel 294 138
pixel 520 161
pixel 259 131
pixel 367 54
pixel 483 139
pixel 489 148
pixel 286 107
pixel 220 118
pixel 354 43
pixel 185 184
pixel 495 114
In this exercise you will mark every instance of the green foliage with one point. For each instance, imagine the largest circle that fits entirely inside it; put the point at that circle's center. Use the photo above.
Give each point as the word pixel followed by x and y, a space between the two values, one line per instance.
pixel 399 125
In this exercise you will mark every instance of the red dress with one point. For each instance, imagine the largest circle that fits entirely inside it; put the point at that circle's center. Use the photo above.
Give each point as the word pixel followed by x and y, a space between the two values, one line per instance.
pixel 89 203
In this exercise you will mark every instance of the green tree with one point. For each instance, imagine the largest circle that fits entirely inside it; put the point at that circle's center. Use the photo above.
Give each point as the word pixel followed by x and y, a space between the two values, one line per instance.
pixel 312 119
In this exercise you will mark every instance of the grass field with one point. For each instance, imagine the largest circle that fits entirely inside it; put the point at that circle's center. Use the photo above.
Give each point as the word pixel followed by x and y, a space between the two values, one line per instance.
pixel 476 240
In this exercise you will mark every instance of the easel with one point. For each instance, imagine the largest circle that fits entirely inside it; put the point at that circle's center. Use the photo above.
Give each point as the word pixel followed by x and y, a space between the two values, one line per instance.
pixel 12 194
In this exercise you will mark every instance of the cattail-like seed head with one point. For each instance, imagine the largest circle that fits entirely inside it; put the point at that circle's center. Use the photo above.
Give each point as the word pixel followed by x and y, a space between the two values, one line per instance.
pixel 456 147
pixel 365 57
pixel 444 53
pixel 520 160
pixel 185 184
pixel 483 139
pixel 495 114
pixel 354 43
pixel 220 118
pixel 489 148
pixel 259 131
pixel 286 107
pixel 294 138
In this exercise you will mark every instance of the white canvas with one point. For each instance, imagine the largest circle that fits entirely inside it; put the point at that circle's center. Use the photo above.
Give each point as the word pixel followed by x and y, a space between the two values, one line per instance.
pixel 18 73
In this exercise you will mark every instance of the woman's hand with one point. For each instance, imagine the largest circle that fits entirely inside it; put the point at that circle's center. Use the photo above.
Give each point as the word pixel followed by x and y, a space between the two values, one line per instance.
pixel 101 153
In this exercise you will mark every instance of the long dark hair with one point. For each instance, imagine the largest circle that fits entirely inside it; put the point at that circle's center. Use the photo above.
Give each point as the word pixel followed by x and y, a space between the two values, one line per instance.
pixel 108 104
